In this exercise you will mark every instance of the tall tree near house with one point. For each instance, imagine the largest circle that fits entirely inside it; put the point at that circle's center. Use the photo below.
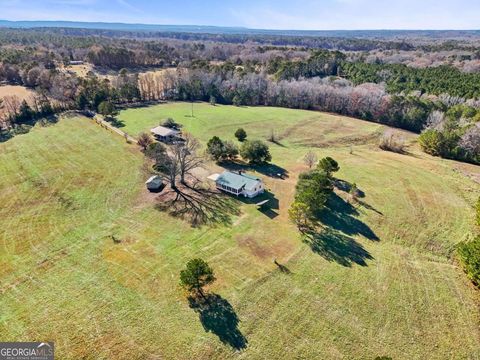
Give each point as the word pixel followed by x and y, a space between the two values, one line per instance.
pixel 169 165
pixel 170 168
pixel 256 152
pixel 186 155
pixel 216 148
pixel 196 276
pixel 165 163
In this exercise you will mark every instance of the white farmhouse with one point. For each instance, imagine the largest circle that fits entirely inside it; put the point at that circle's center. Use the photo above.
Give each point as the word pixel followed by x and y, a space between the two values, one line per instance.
pixel 240 184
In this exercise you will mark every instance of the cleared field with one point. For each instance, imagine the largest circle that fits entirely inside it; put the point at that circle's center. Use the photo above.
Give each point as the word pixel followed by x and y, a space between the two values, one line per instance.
pixel 12 90
pixel 380 282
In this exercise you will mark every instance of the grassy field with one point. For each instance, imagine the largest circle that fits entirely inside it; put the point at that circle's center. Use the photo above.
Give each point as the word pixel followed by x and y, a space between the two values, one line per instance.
pixel 380 281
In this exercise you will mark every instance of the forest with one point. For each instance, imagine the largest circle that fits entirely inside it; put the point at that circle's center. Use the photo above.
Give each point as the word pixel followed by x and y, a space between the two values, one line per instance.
pixel 414 83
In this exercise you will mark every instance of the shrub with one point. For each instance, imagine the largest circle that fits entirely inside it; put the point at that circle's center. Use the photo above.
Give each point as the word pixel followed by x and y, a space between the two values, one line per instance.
pixel 431 142
pixel 241 135
pixel 144 140
pixel 390 141
pixel 255 152
pixel 171 124
pixel 469 254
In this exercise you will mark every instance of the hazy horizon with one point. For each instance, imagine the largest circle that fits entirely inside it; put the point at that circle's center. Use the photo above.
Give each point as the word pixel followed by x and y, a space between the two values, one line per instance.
pixel 231 26
pixel 261 14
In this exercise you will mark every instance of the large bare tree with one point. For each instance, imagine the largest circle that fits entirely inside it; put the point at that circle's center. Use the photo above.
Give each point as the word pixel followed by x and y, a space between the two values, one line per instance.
pixel 187 156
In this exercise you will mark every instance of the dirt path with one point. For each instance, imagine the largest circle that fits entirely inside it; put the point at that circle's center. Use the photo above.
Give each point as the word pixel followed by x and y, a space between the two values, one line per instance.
pixel 100 120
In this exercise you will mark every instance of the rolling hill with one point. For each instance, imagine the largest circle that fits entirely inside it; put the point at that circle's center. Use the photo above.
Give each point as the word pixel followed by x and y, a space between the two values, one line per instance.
pixel 89 257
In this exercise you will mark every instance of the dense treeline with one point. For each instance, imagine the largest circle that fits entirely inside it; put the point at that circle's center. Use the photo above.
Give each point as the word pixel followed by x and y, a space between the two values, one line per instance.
pixel 349 43
pixel 321 63
pixel 400 78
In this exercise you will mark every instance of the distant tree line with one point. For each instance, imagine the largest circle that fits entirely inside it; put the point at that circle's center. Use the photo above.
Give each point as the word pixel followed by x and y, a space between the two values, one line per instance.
pixel 241 74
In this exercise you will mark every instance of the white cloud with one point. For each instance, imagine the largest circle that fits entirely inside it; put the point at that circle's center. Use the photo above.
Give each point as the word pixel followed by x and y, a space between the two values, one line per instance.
pixel 362 14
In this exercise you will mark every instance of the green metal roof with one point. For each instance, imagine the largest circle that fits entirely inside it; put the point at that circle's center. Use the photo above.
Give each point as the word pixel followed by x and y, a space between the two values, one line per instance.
pixel 238 181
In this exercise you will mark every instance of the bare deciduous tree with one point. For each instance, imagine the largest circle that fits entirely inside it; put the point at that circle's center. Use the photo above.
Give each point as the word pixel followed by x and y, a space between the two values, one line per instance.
pixel 436 120
pixel 392 141
pixel 11 105
pixel 187 157
pixel 470 141
pixel 144 140
pixel 310 159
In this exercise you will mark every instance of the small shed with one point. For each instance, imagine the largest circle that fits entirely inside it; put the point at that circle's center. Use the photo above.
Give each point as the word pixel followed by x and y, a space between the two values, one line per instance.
pixel 165 134
pixel 154 183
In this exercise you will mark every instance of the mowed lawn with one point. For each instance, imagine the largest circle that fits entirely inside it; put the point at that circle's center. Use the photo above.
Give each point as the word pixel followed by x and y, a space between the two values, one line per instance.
pixel 383 282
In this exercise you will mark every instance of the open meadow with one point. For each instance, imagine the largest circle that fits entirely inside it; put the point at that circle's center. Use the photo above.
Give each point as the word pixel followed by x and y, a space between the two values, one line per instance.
pixel 89 259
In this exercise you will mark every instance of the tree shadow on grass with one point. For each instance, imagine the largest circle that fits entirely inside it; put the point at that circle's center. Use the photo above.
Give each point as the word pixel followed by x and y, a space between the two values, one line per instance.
pixel 219 317
pixel 332 235
pixel 115 122
pixel 340 215
pixel 267 169
pixel 269 209
pixel 199 206
pixel 282 268
pixel 332 245
pixel 345 186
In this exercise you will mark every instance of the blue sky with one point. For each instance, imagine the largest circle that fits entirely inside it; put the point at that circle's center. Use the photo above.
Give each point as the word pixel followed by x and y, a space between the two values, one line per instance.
pixel 268 14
